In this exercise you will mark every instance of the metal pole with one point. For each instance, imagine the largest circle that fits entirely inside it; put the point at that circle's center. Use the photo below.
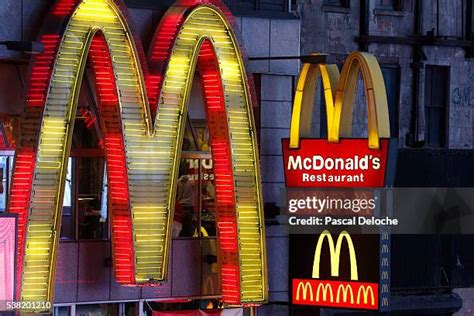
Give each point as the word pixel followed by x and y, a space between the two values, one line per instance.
pixel 252 311
pixel 141 306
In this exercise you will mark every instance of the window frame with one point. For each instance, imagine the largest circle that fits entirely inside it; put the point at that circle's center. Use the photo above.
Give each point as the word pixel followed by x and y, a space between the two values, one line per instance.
pixel 469 27
pixel 338 4
pixel 257 8
pixel 395 5
pixel 76 154
pixel 395 122
pixel 444 136
pixel 200 155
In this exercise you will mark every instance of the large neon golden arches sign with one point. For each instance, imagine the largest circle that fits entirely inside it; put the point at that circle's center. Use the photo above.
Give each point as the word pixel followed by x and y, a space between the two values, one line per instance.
pixel 147 107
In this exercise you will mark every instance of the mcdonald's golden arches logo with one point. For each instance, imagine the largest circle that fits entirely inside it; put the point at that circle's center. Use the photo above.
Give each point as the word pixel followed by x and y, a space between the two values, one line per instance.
pixel 339 94
pixel 142 105
pixel 331 293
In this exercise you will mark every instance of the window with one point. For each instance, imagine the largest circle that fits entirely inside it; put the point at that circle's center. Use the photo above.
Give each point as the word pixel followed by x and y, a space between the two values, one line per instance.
pixel 62 311
pixel 337 3
pixel 323 119
pixel 248 6
pixel 294 5
pixel 195 213
pixel 84 215
pixel 98 310
pixel 391 76
pixel 469 29
pixel 469 19
pixel 68 229
pixel 389 5
pixel 92 218
pixel 436 99
pixel 238 7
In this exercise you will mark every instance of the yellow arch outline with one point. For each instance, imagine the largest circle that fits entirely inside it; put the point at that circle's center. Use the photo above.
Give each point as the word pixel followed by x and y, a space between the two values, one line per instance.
pixel 339 94
pixel 335 253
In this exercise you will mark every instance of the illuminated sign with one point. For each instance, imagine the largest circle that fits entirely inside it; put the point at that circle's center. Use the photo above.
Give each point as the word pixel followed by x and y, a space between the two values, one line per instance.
pixel 343 286
pixel 348 163
pixel 142 111
pixel 7 259
pixel 339 162
pixel 335 294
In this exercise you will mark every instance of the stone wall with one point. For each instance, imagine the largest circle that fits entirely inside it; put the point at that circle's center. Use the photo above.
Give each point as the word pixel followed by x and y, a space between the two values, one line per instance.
pixel 273 38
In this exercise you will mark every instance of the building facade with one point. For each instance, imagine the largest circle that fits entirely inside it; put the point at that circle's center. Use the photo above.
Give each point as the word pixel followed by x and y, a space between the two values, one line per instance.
pixel 425 52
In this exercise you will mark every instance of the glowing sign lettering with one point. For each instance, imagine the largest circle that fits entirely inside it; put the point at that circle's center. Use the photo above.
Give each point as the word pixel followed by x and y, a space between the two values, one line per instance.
pixel 354 294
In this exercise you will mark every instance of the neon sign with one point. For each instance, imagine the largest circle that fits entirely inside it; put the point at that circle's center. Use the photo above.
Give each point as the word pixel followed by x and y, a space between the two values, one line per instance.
pixel 142 110
pixel 339 162
pixel 327 292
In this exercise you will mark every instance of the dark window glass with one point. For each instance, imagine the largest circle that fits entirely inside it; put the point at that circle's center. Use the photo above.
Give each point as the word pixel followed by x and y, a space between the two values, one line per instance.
pixel 469 27
pixel 130 309
pixel 98 310
pixel 337 3
pixel 391 76
pixel 436 99
pixel 323 125
pixel 389 4
pixel 470 22
pixel 92 217
pixel 236 6
pixel 294 4
pixel 62 311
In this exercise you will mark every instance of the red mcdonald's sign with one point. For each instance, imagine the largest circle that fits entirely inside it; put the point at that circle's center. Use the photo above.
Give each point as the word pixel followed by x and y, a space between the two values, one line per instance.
pixel 348 163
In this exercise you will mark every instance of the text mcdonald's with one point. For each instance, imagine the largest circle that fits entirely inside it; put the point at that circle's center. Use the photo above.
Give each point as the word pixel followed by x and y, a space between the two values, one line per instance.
pixel 349 163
